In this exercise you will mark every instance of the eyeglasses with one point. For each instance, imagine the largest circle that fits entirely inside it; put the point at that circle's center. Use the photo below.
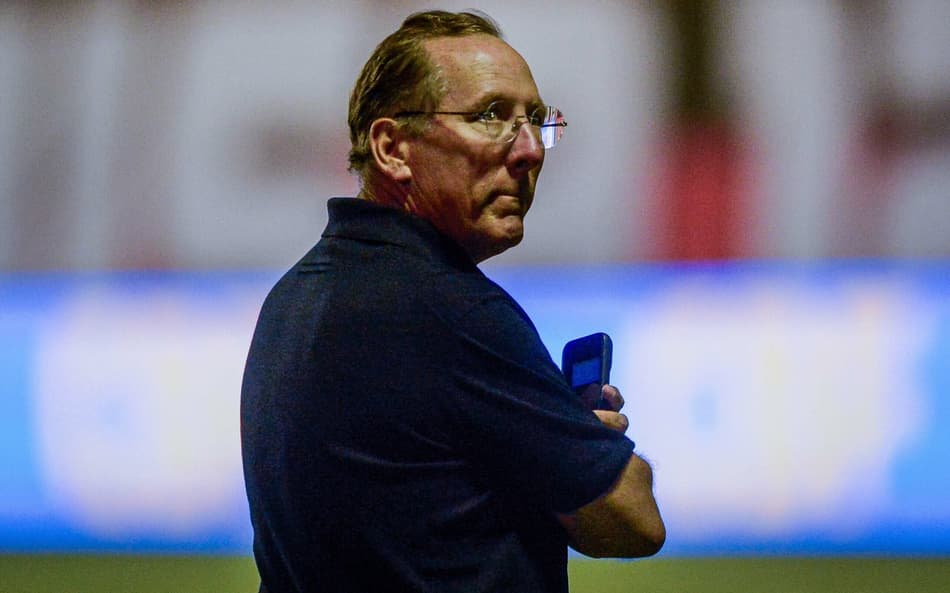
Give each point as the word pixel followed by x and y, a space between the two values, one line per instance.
pixel 501 123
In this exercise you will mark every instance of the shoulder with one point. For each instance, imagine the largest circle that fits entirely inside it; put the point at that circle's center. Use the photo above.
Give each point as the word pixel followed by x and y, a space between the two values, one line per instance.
pixel 473 304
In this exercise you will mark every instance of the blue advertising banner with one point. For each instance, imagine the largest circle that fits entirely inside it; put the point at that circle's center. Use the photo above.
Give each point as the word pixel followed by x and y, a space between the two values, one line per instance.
pixel 787 409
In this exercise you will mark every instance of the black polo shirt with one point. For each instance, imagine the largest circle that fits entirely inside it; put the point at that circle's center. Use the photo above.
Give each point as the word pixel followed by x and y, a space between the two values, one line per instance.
pixel 403 426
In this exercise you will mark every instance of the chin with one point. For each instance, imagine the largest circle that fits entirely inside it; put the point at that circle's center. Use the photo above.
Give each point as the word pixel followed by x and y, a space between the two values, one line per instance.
pixel 501 236
pixel 507 243
pixel 510 233
pixel 496 246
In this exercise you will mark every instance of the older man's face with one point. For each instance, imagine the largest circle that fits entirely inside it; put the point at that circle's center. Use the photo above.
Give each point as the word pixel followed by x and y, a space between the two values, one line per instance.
pixel 473 188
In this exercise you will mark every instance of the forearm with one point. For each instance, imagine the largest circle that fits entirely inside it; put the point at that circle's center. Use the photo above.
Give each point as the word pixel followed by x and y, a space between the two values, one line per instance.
pixel 623 523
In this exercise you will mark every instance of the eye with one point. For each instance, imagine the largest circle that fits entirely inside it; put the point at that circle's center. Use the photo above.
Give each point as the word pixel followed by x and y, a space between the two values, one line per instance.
pixel 493 112
pixel 537 116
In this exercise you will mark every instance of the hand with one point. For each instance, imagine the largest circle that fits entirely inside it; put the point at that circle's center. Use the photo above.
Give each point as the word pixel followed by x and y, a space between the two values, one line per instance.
pixel 612 418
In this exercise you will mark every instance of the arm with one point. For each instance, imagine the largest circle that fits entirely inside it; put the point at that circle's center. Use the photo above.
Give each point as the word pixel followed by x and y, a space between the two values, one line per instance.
pixel 625 521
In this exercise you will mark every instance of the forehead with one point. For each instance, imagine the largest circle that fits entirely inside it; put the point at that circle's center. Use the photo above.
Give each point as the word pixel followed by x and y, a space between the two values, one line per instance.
pixel 478 66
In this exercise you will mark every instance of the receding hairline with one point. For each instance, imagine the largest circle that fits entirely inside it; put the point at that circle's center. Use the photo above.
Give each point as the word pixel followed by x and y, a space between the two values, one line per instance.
pixel 469 44
pixel 405 55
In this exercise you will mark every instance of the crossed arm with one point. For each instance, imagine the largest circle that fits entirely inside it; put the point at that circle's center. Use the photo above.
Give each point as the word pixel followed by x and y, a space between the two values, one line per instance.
pixel 625 521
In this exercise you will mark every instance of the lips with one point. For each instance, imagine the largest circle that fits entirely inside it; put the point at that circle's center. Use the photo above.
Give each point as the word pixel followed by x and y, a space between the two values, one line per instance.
pixel 509 204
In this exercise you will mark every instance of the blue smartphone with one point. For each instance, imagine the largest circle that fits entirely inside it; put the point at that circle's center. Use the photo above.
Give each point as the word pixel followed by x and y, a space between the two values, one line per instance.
pixel 585 363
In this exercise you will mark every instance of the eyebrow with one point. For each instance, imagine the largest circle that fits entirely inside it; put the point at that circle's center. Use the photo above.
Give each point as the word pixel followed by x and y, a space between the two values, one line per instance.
pixel 489 98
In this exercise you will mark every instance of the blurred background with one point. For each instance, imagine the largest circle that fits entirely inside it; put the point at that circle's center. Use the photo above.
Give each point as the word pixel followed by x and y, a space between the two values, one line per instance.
pixel 752 197
pixel 208 134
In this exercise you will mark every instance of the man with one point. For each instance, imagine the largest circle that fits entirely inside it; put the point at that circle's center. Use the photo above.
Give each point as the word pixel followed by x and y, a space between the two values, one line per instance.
pixel 403 426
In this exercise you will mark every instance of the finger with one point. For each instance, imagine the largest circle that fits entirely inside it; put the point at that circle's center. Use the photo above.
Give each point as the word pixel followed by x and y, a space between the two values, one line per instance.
pixel 613 397
pixel 613 420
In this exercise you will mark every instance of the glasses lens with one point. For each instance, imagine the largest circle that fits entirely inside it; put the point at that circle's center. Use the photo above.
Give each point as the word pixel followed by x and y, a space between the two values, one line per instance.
pixel 552 126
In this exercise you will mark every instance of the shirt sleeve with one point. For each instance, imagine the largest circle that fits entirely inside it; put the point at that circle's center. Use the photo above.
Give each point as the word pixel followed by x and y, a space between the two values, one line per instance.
pixel 515 417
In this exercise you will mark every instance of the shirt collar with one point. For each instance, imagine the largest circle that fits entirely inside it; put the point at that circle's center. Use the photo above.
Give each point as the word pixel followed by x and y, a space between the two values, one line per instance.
pixel 359 219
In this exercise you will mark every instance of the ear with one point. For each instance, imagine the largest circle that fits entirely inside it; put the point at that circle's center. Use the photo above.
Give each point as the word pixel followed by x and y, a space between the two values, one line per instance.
pixel 390 150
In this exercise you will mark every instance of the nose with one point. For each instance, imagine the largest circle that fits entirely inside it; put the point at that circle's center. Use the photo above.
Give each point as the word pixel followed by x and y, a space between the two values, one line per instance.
pixel 527 151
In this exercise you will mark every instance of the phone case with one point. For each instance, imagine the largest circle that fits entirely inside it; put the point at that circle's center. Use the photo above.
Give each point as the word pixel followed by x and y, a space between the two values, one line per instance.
pixel 586 364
